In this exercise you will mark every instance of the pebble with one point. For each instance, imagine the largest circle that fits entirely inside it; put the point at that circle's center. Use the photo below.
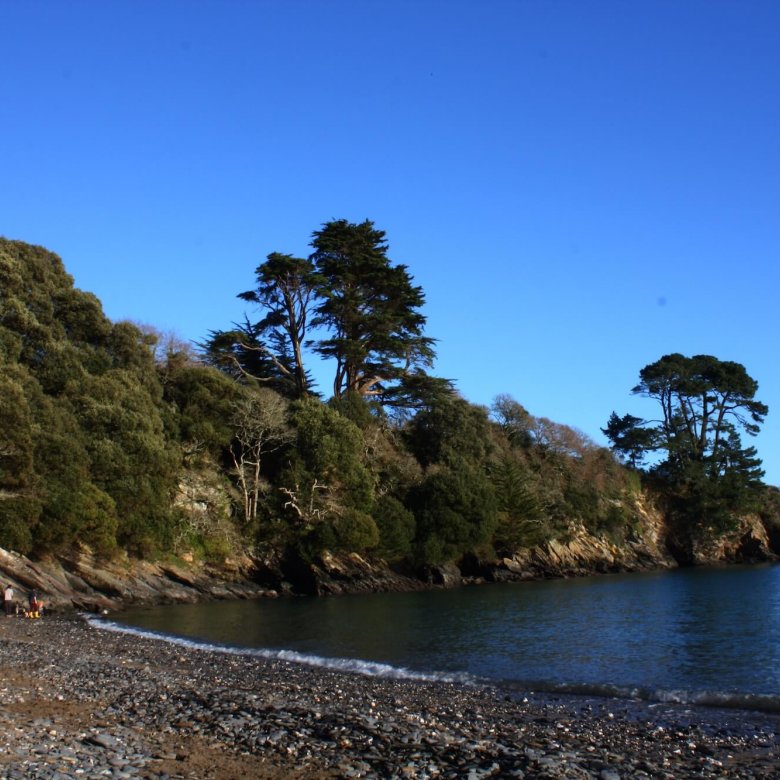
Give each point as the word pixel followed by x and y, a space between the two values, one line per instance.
pixel 144 709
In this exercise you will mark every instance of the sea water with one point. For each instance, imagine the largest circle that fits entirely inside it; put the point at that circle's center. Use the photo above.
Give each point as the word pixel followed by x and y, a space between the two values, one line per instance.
pixel 708 636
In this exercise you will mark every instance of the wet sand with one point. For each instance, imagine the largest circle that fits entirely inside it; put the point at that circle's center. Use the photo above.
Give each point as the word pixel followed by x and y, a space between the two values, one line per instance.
pixel 80 702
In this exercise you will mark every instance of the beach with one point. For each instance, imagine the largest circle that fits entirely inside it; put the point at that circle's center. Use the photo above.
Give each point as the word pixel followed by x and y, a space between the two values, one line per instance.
pixel 78 701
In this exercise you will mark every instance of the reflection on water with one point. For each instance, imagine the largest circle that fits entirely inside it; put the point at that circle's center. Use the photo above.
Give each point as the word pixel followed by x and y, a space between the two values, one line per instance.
pixel 694 629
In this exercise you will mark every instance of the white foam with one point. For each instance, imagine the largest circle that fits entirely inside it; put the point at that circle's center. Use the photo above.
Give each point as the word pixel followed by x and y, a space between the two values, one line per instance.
pixel 351 665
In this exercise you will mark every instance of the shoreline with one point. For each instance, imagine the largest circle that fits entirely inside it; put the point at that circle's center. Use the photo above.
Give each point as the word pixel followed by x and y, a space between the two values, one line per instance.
pixel 76 697
pixel 704 699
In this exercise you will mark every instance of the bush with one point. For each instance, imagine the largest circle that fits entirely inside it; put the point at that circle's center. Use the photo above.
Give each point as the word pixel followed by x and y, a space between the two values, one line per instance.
pixel 396 528
pixel 356 531
pixel 455 510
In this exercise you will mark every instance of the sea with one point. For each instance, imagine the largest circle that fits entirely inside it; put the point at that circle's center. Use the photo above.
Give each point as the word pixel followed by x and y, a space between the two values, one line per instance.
pixel 703 636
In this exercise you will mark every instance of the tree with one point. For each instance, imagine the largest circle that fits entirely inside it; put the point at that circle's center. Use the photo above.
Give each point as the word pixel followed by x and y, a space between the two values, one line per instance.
pixel 455 512
pixel 326 491
pixel 270 350
pixel 521 521
pixel 629 439
pixel 513 419
pixel 260 420
pixel 704 401
pixel 371 310
pixel 705 405
pixel 450 431
pixel 284 291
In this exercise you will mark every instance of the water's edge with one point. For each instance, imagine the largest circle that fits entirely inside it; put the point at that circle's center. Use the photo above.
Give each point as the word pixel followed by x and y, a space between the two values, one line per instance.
pixel 709 699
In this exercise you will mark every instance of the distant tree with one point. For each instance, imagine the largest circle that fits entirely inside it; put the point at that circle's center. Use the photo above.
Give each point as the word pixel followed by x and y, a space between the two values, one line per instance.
pixel 705 402
pixel 705 405
pixel 131 457
pixel 326 492
pixel 630 440
pixel 450 431
pixel 513 419
pixel 455 511
pixel 201 401
pixel 371 309
pixel 270 350
pixel 285 293
pixel 521 521
pixel 396 528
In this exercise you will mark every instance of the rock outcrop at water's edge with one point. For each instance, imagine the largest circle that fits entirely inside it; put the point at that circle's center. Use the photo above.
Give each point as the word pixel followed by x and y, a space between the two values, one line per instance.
pixel 82 581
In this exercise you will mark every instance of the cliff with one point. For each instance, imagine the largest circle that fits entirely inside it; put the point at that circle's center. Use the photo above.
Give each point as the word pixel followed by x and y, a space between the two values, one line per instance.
pixel 82 581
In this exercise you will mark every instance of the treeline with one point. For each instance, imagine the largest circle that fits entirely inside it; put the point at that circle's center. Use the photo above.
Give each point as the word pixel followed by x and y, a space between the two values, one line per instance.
pixel 104 425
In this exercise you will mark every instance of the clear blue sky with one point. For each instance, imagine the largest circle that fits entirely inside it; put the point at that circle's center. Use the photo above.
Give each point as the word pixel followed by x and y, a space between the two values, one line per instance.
pixel 580 187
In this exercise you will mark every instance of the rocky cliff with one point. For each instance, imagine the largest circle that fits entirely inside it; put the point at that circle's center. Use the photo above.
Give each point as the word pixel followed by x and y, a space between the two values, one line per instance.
pixel 84 582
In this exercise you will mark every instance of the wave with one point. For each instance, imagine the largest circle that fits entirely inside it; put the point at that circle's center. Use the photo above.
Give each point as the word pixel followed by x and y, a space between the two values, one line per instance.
pixel 760 702
pixel 769 703
pixel 352 665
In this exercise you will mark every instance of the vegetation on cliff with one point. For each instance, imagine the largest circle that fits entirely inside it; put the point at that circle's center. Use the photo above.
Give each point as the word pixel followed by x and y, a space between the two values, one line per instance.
pixel 114 437
pixel 705 474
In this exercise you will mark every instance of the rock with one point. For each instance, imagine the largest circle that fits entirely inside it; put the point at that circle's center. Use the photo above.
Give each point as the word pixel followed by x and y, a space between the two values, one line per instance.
pixel 104 741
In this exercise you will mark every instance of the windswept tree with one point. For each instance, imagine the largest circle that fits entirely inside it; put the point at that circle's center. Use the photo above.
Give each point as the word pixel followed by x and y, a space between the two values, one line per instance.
pixel 270 350
pixel 371 311
pixel 284 291
pixel 705 404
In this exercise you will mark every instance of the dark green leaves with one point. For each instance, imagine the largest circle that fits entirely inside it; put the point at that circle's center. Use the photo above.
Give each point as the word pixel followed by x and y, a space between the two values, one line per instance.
pixel 705 404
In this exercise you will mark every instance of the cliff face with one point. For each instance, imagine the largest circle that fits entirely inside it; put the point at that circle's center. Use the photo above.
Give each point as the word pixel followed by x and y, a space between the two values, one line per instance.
pixel 83 582
pixel 86 583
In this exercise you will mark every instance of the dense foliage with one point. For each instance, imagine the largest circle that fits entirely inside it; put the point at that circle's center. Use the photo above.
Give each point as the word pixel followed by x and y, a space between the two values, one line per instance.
pixel 350 305
pixel 118 438
pixel 708 476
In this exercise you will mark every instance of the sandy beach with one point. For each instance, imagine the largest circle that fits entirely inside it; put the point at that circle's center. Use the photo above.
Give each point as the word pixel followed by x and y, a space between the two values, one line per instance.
pixel 77 701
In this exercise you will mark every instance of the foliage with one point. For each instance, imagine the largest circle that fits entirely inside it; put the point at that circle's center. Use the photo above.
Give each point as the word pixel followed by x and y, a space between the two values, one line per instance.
pixel 370 308
pixel 271 349
pixel 521 519
pixel 363 311
pixel 326 488
pixel 260 423
pixel 455 510
pixel 85 452
pixel 448 431
pixel 105 427
pixel 705 403
pixel 396 526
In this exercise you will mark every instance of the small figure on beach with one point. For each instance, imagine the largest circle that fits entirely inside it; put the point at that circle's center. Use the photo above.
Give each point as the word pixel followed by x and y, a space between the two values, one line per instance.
pixel 34 604
pixel 8 600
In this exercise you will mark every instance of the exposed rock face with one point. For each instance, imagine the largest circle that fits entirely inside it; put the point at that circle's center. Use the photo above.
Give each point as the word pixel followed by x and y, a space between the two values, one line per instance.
pixel 584 554
pixel 749 544
pixel 347 573
pixel 83 582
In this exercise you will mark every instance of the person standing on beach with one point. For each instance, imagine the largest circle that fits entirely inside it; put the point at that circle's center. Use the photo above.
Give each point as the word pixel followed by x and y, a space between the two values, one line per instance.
pixel 8 600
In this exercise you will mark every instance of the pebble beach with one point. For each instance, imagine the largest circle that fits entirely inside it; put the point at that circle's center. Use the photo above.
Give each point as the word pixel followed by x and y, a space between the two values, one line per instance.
pixel 78 701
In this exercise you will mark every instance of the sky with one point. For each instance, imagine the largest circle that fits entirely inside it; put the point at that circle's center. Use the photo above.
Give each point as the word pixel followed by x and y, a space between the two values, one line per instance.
pixel 579 187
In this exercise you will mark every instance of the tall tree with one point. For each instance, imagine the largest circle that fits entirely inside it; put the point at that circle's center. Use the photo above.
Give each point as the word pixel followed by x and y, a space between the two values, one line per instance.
pixel 630 440
pixel 284 291
pixel 371 309
pixel 270 350
pixel 705 405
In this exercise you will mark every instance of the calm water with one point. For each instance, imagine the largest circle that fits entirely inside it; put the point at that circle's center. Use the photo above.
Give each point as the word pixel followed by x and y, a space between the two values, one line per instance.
pixel 671 634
